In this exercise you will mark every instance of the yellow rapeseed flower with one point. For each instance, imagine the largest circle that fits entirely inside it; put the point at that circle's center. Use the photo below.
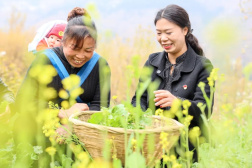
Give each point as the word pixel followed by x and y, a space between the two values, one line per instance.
pixel 173 158
pixel 201 85
pixel 176 106
pixel 91 7
pixel 165 158
pixel 63 94
pixel 114 156
pixel 71 82
pixel 185 112
pixel 114 97
pixel 195 132
pixel 164 140
pixel 176 165
pixel 213 76
pixel 76 92
pixel 64 121
pixel 186 104
pixel 50 93
pixel 99 163
pixel 83 156
pixel 51 150
pixel 159 112
pixel 65 104
pixel 187 120
pixel 35 71
pixel 133 142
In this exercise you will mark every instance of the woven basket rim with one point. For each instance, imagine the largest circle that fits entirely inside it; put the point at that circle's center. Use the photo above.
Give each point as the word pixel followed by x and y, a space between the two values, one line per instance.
pixel 177 125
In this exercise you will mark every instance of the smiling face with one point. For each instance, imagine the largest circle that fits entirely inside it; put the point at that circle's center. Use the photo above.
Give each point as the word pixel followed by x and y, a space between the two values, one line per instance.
pixel 171 37
pixel 78 55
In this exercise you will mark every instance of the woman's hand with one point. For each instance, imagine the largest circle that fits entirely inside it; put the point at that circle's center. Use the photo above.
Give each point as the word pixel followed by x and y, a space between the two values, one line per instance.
pixel 62 133
pixel 163 98
pixel 75 108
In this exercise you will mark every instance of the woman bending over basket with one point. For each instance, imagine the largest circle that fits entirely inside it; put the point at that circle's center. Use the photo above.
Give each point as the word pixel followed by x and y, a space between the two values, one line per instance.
pixel 179 68
pixel 76 56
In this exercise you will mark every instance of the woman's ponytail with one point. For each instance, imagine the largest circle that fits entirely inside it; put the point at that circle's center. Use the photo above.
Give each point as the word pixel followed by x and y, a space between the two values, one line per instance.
pixel 193 41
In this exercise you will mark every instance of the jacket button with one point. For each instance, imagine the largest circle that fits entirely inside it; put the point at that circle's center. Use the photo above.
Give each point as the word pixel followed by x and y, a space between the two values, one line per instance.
pixel 158 71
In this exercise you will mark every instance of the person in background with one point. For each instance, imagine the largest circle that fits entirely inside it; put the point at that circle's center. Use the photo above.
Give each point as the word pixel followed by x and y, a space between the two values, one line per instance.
pixel 179 68
pixel 42 35
pixel 53 38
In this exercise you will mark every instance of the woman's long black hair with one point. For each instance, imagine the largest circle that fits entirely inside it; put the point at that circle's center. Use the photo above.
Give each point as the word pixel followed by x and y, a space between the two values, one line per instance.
pixel 180 17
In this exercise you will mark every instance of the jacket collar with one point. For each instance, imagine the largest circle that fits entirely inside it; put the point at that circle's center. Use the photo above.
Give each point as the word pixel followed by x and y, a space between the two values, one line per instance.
pixel 188 65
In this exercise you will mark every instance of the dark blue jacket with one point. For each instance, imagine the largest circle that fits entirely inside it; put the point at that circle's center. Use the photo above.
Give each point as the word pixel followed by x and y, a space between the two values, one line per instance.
pixel 194 69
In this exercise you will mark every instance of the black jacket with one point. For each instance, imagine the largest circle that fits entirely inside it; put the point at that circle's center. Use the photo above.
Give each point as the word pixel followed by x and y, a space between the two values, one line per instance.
pixel 194 69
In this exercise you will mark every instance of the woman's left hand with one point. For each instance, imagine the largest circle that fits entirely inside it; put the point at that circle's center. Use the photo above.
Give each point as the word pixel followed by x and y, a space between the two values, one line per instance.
pixel 62 133
pixel 163 98
pixel 75 108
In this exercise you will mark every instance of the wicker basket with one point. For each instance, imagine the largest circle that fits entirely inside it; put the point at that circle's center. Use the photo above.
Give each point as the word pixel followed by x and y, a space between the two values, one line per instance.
pixel 92 135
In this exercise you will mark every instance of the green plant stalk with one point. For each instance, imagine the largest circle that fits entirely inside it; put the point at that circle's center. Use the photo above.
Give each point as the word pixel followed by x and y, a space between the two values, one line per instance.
pixel 187 148
pixel 52 161
pixel 68 150
pixel 81 143
pixel 185 140
pixel 137 128
pixel 128 88
pixel 40 139
pixel 208 102
pixel 69 154
pixel 140 92
pixel 197 147
pixel 209 105
pixel 125 143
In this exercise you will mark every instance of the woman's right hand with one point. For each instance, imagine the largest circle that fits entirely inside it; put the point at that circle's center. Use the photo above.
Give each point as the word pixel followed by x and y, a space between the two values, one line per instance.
pixel 75 108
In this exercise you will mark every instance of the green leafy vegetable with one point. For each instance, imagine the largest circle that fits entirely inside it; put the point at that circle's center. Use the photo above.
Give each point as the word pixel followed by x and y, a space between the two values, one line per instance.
pixel 120 116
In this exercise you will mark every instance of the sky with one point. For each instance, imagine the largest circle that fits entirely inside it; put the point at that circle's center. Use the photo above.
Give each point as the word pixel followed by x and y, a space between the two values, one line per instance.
pixel 122 17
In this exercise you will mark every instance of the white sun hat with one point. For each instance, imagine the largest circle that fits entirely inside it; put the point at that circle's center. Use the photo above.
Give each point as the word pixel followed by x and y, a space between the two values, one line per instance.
pixel 42 32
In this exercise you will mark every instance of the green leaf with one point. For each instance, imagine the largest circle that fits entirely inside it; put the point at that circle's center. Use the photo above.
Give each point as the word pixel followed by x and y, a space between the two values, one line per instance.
pixel 3 106
pixel 96 118
pixel 122 116
pixel 38 149
pixel 66 160
pixel 117 163
pixel 136 160
pixel 34 156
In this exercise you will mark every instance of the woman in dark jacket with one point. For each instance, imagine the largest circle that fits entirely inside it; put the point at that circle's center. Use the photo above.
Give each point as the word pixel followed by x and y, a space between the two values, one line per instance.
pixel 179 68
pixel 75 56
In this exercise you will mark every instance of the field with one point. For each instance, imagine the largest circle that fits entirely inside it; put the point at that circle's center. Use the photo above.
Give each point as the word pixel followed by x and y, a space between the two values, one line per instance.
pixel 230 142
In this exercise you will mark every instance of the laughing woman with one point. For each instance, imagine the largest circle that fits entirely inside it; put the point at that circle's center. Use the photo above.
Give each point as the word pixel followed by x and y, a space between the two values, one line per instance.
pixel 179 68
pixel 76 56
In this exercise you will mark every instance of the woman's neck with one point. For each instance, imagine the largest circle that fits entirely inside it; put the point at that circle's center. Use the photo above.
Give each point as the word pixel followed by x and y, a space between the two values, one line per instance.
pixel 172 57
